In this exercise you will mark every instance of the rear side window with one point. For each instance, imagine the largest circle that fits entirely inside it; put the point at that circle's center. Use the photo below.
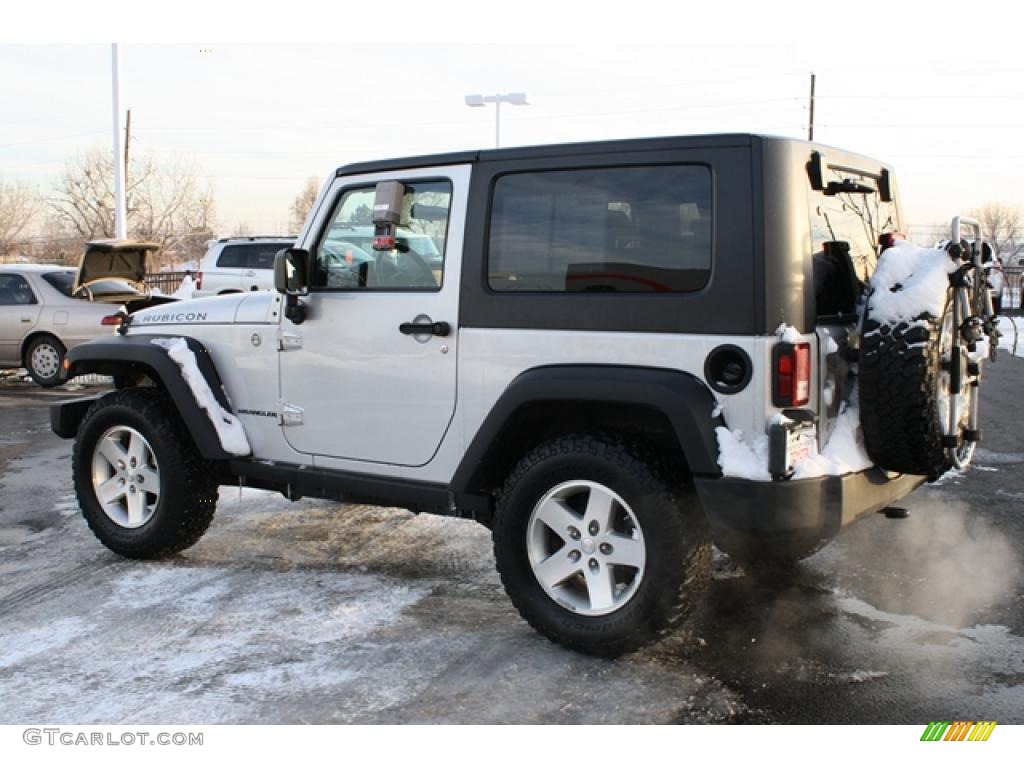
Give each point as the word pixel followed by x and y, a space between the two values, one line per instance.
pixel 14 291
pixel 636 229
pixel 249 256
pixel 62 281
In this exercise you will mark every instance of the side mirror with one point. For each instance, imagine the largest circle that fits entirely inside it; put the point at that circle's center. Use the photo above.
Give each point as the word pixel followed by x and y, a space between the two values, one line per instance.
pixel 292 268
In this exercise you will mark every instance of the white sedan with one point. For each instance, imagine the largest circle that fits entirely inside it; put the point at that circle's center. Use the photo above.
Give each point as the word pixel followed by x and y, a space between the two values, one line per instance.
pixel 40 319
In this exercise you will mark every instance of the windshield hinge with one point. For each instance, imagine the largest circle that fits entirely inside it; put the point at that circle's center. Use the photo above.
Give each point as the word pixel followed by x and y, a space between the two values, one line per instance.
pixel 290 416
pixel 289 341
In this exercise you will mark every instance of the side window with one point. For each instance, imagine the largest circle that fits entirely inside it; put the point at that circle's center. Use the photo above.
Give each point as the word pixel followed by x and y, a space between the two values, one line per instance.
pixel 346 259
pixel 262 256
pixel 636 229
pixel 233 257
pixel 14 291
pixel 249 256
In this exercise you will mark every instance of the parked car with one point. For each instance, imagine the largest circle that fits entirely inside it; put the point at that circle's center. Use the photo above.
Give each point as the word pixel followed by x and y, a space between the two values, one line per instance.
pixel 45 310
pixel 236 264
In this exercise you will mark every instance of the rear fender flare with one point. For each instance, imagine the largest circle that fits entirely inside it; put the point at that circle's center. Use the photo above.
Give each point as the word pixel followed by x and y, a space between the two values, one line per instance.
pixel 683 399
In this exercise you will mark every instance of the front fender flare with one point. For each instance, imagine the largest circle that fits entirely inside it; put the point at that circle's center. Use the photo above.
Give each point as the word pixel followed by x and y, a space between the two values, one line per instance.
pixel 137 355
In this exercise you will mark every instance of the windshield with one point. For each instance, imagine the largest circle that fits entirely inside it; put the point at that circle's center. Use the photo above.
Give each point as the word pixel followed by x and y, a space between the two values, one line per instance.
pixel 101 288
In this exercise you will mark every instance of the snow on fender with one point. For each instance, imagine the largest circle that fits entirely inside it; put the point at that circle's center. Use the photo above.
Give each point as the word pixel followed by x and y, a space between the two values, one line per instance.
pixel 229 429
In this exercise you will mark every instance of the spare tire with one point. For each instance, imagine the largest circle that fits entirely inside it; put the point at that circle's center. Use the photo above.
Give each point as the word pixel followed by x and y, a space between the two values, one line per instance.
pixel 905 390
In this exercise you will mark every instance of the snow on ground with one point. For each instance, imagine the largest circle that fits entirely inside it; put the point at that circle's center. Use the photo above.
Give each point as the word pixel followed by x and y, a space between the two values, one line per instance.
pixel 229 428
pixel 1012 335
pixel 168 633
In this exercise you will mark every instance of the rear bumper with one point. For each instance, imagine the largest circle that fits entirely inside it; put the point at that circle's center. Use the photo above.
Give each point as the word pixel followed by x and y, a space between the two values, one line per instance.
pixel 794 516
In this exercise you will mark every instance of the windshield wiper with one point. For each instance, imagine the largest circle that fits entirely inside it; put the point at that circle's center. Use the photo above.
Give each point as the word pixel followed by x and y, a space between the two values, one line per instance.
pixel 848 187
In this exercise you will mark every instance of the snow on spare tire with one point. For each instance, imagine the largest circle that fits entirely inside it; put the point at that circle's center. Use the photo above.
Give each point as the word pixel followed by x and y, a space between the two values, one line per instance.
pixel 904 393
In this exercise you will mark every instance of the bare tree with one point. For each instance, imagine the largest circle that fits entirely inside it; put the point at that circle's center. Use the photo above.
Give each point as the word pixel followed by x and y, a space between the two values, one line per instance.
pixel 167 203
pixel 57 244
pixel 1000 224
pixel 19 204
pixel 303 204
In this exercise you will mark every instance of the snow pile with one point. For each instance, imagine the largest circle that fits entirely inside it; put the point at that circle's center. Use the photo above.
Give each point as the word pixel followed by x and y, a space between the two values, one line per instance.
pixel 740 457
pixel 843 451
pixel 747 457
pixel 185 289
pixel 788 334
pixel 229 428
pixel 908 282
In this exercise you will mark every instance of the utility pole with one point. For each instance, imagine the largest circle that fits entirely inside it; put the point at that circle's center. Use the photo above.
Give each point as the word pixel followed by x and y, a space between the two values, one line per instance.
pixel 810 124
pixel 120 209
pixel 127 140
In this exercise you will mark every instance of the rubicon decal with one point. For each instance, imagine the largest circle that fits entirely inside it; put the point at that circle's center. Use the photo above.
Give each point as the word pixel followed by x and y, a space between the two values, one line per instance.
pixel 958 730
pixel 180 317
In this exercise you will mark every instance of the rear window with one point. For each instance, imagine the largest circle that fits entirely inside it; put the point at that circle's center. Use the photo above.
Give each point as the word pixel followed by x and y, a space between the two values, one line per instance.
pixel 62 281
pixel 637 229
pixel 854 218
pixel 249 255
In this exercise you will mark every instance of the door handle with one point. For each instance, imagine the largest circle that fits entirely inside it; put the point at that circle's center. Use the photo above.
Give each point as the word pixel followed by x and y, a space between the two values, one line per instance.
pixel 431 329
pixel 26 319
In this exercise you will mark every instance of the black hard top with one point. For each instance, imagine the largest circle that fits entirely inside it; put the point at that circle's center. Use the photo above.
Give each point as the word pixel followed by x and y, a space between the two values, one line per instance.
pixel 559 150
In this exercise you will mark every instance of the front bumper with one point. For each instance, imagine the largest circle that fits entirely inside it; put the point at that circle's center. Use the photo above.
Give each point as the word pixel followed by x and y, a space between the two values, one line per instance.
pixel 790 518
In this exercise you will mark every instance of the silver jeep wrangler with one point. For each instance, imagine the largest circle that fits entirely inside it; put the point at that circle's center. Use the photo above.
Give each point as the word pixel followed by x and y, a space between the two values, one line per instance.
pixel 617 354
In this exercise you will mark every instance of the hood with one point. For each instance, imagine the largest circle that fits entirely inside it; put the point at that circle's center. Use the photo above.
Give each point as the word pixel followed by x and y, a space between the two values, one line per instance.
pixel 126 260
pixel 249 308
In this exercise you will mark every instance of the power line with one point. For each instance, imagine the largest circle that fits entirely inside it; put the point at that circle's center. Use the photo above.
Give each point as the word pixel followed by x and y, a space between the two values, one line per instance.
pixel 51 138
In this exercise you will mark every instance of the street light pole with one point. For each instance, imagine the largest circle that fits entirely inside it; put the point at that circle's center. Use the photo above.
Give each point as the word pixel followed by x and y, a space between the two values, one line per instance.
pixel 497 123
pixel 120 208
pixel 479 100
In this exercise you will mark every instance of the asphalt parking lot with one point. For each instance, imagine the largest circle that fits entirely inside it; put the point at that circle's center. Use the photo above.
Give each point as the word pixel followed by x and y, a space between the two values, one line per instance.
pixel 319 612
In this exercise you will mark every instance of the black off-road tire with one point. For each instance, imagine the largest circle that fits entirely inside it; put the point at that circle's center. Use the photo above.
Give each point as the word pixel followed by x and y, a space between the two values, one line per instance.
pixel 674 529
pixel 899 371
pixel 55 375
pixel 188 483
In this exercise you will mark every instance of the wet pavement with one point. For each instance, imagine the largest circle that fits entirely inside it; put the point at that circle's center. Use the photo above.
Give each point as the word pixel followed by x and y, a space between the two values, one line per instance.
pixel 319 612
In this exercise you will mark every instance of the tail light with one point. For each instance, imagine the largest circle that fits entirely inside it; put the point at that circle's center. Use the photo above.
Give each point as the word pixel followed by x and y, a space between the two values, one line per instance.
pixel 112 319
pixel 197 280
pixel 791 387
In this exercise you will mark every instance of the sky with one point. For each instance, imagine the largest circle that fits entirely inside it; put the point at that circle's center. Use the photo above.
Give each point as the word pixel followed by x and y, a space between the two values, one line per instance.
pixel 916 87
